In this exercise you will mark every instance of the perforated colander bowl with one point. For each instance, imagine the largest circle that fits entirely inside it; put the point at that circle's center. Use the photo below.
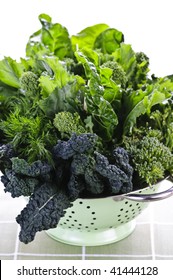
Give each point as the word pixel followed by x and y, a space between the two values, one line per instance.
pixel 93 222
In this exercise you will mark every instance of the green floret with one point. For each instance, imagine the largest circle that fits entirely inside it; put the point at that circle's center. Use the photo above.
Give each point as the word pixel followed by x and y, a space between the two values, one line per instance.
pixel 29 82
pixel 142 60
pixel 118 74
pixel 68 123
pixel 151 158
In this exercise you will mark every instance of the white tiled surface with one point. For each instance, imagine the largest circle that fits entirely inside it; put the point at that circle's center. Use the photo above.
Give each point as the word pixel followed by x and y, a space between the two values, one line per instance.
pixel 151 239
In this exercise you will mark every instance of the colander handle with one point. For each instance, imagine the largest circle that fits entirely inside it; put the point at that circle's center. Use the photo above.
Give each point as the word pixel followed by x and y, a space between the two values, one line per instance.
pixel 150 197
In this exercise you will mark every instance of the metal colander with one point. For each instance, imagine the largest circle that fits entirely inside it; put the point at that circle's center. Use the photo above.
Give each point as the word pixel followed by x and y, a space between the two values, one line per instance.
pixel 100 221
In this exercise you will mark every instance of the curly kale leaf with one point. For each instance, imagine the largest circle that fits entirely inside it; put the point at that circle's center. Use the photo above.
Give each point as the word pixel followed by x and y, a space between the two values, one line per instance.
pixel 74 187
pixel 6 153
pixel 119 174
pixel 44 210
pixel 84 165
pixel 35 169
pixel 17 185
pixel 23 178
pixel 76 144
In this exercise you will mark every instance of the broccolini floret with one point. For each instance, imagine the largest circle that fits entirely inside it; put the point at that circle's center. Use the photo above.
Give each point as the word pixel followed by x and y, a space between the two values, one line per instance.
pixel 118 74
pixel 68 123
pixel 151 158
pixel 142 60
pixel 29 82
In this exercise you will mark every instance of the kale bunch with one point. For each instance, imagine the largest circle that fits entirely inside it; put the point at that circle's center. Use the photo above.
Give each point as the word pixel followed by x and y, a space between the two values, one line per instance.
pixel 93 168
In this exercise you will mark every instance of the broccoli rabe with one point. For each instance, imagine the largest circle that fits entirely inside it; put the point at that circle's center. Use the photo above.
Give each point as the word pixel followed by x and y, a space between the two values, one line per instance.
pixel 140 71
pixel 118 74
pixel 68 123
pixel 150 157
pixel 29 82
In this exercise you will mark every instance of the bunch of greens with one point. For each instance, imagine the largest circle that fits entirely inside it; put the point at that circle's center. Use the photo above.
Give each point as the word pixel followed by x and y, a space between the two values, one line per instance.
pixel 80 117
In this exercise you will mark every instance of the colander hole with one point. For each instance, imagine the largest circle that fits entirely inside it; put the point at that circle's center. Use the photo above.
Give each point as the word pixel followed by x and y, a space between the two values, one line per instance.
pixel 65 223
pixel 126 216
pixel 70 216
pixel 126 202
pixel 94 218
pixel 119 215
pixel 80 224
pixel 86 227
pixel 96 229
pixel 137 204
pixel 88 207
pixel 127 211
pixel 73 212
pixel 119 220
pixel 93 213
pixel 75 220
pixel 122 222
pixel 121 209
pixel 72 225
pixel 92 223
pixel 130 205
pixel 80 202
pixel 69 227
pixel 67 220
pixel 111 227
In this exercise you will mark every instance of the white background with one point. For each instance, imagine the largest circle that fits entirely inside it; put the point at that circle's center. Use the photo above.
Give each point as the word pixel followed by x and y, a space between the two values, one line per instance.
pixel 147 25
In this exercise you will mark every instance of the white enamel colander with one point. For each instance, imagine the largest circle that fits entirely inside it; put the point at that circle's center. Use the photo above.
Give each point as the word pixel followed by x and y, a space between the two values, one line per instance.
pixel 99 221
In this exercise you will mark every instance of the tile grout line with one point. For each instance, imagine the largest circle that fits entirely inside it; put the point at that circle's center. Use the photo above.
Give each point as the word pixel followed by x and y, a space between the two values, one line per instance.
pixel 16 244
pixel 83 252
pixel 152 233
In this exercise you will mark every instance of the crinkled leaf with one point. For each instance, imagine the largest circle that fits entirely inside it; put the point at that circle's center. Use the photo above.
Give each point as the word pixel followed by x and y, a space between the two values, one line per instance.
pixel 44 210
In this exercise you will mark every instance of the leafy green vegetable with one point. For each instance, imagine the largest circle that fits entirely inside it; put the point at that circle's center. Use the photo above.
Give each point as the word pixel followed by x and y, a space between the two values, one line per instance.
pixel 80 117
pixel 87 37
pixel 52 38
pixel 10 72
